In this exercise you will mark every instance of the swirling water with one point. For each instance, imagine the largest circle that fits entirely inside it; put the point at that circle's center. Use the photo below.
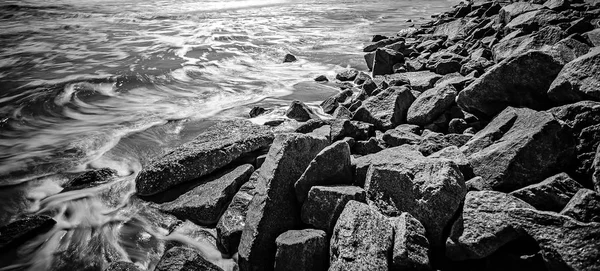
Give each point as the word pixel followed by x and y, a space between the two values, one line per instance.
pixel 89 84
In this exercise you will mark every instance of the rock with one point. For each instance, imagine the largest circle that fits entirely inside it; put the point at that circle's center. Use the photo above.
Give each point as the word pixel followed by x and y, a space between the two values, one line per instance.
pixel 330 104
pixel 593 37
pixel 430 45
pixel 362 239
pixel 584 206
pixel 430 105
pixel 480 66
pixel 191 232
pixel 122 266
pixel 557 5
pixel 340 128
pixel 580 26
pixel 381 43
pixel 596 168
pixel 256 111
pixel 342 113
pixel 321 78
pixel 414 65
pixel 369 86
pixel 289 58
pixel 483 226
pixel 439 61
pixel 301 250
pixel 518 148
pixel 325 204
pixel 388 157
pixel 232 222
pixel 579 80
pixel 387 109
pixel 364 147
pixel 430 189
pixel 434 142
pixel 400 136
pixel 531 74
pixel 454 154
pixel 205 203
pixel 183 259
pixel 274 209
pixel 411 247
pixel 457 126
pixel 568 49
pixel 550 195
pixel 384 61
pixel 22 230
pixel 455 30
pixel 455 80
pixel 299 111
pixel 218 146
pixel 532 20
pixel 511 11
pixel 541 40
pixel 421 81
pixel 369 60
pixel 378 37
pixel 565 243
pixel 347 75
pixel 330 166
pixel 91 178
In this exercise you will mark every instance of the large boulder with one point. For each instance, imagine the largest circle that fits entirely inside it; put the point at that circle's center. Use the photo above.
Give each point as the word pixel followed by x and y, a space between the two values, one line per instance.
pixel 430 105
pixel 381 43
pixel 362 239
pixel 205 203
pixel 482 228
pixel 387 109
pixel 218 146
pixel 520 81
pixel 184 259
pixel 299 250
pixel 388 157
pixel 565 243
pixel 541 40
pixel 433 142
pixel 384 61
pixel 429 189
pixel 584 206
pixel 401 135
pixel 411 247
pixel 518 148
pixel 455 30
pixel 578 80
pixel 90 178
pixel 550 195
pixel 325 204
pixel 330 166
pixel 19 231
pixel 330 104
pixel 274 208
pixel 532 20
pixel 422 80
pixel 300 112
pixel 511 11
pixel 569 49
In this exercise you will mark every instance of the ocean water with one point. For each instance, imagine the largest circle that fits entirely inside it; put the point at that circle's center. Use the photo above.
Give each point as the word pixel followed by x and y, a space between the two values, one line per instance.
pixel 88 84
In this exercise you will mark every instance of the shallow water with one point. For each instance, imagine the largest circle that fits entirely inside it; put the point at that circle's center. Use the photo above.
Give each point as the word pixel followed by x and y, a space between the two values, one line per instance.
pixel 91 84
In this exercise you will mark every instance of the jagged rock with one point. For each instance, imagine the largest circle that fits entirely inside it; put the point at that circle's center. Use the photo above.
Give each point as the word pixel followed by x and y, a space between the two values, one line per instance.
pixel 330 166
pixel 183 259
pixel 274 208
pixel 384 61
pixel 256 111
pixel 362 239
pixel 387 109
pixel 483 226
pixel 557 5
pixel 91 178
pixel 593 37
pixel 457 126
pixel 330 104
pixel 411 247
pixel 584 206
pixel 430 105
pixel 479 65
pixel 565 243
pixel 299 250
pixel 364 147
pixel 381 43
pixel 579 80
pixel 430 45
pixel 232 222
pixel 321 78
pixel 342 113
pixel 20 231
pixel 325 204
pixel 122 266
pixel 347 75
pixel 421 81
pixel 511 11
pixel 550 195
pixel 299 111
pixel 430 189
pixel 391 156
pixel 361 78
pixel 518 148
pixel 569 49
pixel 440 58
pixel 534 19
pixel 454 154
pixel 455 30
pixel 340 128
pixel 289 58
pixel 369 86
pixel 455 80
pixel 414 65
pixel 218 146
pixel 401 135
pixel 205 203
pixel 541 40
pixel 516 81
pixel 434 142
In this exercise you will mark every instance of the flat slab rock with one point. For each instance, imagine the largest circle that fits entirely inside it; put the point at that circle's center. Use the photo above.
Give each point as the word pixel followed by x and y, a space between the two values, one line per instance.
pixel 211 150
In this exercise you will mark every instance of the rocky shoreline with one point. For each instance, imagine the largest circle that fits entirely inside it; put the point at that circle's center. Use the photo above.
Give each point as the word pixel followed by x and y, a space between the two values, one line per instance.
pixel 472 144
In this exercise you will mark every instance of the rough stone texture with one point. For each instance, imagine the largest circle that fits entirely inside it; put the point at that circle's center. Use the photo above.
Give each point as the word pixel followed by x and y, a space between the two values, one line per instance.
pixel 340 128
pixel 520 81
pixel 565 243
pixel 550 195
pixel 211 150
pixel 330 104
pixel 184 259
pixel 434 142
pixel 594 37
pixel 423 80
pixel 569 49
pixel 299 111
pixel 511 11
pixel 430 105
pixel 19 231
pixel 541 40
pixel 483 226
pixel 347 75
pixel 596 169
pixel 455 80
pixel 479 66
pixel 399 136
pixel 579 80
pixel 534 19
pixel 584 206
pixel 325 204
pixel 362 239
pixel 232 222
pixel 391 157
pixel 387 109
pixel 384 61
pixel 430 189
pixel 274 208
pixel 205 203
pixel 91 178
pixel 454 154
pixel 299 250
pixel 342 113
pixel 330 166
pixel 122 266
pixel 557 5
pixel 455 30
pixel 411 247
pixel 381 43
pixel 518 148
